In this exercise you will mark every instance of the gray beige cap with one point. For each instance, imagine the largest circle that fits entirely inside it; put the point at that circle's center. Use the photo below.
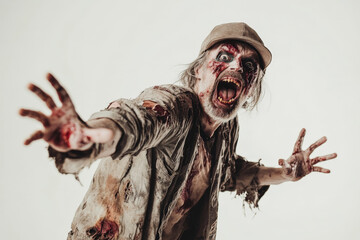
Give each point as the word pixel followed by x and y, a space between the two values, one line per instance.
pixel 237 31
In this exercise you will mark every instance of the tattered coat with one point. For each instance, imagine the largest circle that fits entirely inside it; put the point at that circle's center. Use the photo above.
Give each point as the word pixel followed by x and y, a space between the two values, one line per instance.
pixel 134 190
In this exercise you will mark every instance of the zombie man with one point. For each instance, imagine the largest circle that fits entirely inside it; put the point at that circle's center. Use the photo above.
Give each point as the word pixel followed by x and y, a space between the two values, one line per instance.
pixel 168 153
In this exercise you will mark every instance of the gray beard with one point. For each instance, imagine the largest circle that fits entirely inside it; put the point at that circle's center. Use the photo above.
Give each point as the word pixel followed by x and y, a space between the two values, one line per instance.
pixel 218 114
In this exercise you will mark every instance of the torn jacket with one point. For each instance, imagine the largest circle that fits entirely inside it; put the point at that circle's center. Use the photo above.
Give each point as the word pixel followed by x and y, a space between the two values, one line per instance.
pixel 134 191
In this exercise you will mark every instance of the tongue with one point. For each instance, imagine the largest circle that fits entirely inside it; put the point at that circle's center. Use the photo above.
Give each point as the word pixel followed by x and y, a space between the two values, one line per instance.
pixel 226 93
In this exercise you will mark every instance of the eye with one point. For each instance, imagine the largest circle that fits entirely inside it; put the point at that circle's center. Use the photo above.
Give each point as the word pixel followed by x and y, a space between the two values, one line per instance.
pixel 224 57
pixel 249 66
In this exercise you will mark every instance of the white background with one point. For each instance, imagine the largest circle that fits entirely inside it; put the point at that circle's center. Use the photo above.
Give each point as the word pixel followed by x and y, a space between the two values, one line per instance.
pixel 104 50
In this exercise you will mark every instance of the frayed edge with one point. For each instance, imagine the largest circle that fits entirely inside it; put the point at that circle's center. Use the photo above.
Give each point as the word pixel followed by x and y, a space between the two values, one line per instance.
pixel 246 205
pixel 76 175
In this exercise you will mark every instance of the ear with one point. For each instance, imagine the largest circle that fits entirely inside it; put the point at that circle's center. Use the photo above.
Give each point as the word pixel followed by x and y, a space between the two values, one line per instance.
pixel 198 72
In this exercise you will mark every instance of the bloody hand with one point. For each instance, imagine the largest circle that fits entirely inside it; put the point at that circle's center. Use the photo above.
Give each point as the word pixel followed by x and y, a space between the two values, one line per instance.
pixel 63 129
pixel 299 164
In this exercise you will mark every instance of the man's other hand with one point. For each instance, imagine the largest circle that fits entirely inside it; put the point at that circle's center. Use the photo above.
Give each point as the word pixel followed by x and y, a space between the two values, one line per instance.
pixel 299 164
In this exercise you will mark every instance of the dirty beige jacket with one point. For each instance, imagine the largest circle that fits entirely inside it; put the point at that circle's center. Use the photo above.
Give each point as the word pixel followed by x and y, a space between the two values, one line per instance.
pixel 135 189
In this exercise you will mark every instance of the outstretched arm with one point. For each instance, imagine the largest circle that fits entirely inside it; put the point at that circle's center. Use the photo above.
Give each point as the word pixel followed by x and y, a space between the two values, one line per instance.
pixel 298 165
pixel 158 115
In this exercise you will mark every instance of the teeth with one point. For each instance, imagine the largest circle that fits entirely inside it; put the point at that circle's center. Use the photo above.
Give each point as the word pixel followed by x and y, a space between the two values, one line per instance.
pixel 226 102
pixel 231 80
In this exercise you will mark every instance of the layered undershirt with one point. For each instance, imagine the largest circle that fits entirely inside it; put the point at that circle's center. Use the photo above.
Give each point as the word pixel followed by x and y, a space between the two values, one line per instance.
pixel 195 186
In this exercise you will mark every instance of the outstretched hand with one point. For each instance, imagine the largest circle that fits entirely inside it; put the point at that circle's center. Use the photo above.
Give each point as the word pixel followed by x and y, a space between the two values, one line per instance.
pixel 63 129
pixel 299 164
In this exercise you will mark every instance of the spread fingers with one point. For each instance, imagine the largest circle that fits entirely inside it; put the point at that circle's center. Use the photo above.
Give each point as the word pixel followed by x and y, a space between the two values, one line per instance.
pixel 320 169
pixel 63 95
pixel 35 136
pixel 36 115
pixel 316 144
pixel 323 158
pixel 44 96
pixel 299 141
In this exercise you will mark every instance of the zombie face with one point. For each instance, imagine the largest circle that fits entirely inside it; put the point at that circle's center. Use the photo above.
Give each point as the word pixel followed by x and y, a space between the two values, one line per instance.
pixel 226 79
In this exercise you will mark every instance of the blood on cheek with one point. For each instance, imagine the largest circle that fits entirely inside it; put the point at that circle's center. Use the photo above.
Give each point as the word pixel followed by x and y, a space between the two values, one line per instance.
pixel 217 67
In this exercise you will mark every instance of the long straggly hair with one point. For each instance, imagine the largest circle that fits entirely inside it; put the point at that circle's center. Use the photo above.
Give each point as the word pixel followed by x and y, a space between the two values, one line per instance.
pixel 188 79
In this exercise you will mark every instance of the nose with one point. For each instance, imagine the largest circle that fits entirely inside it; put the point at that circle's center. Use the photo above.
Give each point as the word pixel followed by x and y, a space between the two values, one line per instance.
pixel 236 66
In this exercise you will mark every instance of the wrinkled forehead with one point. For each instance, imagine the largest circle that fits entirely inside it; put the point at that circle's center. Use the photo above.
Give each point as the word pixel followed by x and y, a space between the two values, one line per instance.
pixel 236 47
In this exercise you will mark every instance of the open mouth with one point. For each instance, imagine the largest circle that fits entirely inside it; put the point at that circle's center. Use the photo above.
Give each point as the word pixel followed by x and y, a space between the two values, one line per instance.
pixel 228 90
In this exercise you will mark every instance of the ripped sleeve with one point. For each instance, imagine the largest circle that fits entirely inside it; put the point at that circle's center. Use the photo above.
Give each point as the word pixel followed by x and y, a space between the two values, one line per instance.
pixel 73 161
pixel 158 117
pixel 242 178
